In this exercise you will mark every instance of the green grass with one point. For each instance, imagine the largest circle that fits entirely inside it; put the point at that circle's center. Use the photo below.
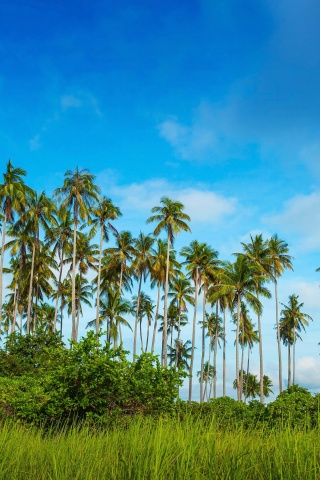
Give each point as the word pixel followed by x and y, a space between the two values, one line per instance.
pixel 158 449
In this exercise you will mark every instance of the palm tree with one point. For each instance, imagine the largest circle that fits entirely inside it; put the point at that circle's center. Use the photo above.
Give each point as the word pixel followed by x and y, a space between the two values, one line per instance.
pixel 141 266
pixel 102 214
pixel 196 257
pixel 59 237
pixel 239 280
pixel 158 276
pixel 296 321
pixel 112 309
pixel 182 351
pixel 181 292
pixel 40 212
pixel 13 194
pixel 257 251
pixel 279 261
pixel 146 307
pixel 286 335
pixel 171 218
pixel 78 194
pixel 83 294
pixel 215 332
pixel 121 254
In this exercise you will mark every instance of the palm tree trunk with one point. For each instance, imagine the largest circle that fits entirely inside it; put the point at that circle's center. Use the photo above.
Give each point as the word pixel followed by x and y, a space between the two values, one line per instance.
pixel 30 287
pixel 58 293
pixel 2 260
pixel 98 284
pixel 136 321
pixel 179 330
pixel 289 365
pixel 147 340
pixel 13 323
pixel 208 371
pixel 165 313
pixel 237 349
pixel 260 356
pixel 242 363
pixel 215 354
pixel 248 363
pixel 224 352
pixel 193 337
pixel 73 279
pixel 141 340
pixel 203 344
pixel 156 319
pixel 278 334
pixel 294 358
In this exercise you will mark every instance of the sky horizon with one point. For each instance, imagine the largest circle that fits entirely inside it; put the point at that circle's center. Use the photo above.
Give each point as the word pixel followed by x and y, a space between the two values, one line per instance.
pixel 212 103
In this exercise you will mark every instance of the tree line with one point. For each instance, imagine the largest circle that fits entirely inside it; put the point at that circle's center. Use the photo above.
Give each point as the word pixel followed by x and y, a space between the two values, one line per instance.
pixel 51 246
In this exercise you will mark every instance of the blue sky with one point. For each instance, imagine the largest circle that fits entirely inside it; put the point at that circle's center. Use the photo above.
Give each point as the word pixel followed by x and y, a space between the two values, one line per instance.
pixel 214 103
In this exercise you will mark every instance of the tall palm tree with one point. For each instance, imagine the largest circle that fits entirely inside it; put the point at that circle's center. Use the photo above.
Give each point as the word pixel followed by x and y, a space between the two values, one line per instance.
pixel 78 193
pixel 239 279
pixel 102 214
pixel 279 261
pixel 146 307
pixel 112 309
pixel 158 276
pixel 122 254
pixel 59 238
pixel 171 218
pixel 182 351
pixel 286 335
pixel 141 266
pixel 296 320
pixel 83 296
pixel 215 332
pixel 13 193
pixel 40 213
pixel 196 257
pixel 257 251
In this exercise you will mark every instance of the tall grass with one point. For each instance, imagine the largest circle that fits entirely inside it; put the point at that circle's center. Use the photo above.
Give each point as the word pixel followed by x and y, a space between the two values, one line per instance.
pixel 158 449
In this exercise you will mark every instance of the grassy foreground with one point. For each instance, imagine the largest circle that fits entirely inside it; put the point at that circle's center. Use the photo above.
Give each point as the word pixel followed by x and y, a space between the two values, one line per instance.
pixel 158 449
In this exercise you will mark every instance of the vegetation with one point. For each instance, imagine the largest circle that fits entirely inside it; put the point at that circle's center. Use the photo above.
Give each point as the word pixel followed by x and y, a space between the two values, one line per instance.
pixel 64 254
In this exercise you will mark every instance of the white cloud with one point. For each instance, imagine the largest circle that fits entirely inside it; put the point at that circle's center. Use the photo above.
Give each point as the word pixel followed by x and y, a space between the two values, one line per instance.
pixel 201 203
pixel 300 216
pixel 70 101
pixel 34 143
pixel 308 372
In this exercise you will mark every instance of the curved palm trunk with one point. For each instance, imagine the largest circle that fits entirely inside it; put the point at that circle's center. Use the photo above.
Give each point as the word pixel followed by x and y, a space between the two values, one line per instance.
pixel 136 321
pixel 147 340
pixel 193 337
pixel 237 349
pixel 98 284
pixel 13 323
pixel 260 356
pixel 30 288
pixel 73 278
pixel 278 334
pixel 141 340
pixel 203 345
pixel 179 330
pixel 165 313
pixel 2 260
pixel 156 319
pixel 224 352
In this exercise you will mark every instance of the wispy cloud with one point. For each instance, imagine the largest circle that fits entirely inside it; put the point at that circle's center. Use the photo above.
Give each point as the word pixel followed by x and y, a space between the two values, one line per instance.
pixel 70 101
pixel 300 216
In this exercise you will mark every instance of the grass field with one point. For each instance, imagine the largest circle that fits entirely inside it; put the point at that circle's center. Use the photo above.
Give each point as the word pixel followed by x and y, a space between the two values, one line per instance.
pixel 158 449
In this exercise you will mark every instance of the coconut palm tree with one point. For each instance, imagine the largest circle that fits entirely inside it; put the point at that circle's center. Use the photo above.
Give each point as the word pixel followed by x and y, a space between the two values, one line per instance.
pixel 182 351
pixel 13 194
pixel 257 252
pixel 296 321
pixel 141 267
pixel 286 334
pixel 196 257
pixel 122 254
pixel 59 238
pixel 239 280
pixel 101 216
pixel 78 193
pixel 172 219
pixel 215 332
pixel 112 309
pixel 279 261
pixel 40 212
pixel 158 277
pixel 83 294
